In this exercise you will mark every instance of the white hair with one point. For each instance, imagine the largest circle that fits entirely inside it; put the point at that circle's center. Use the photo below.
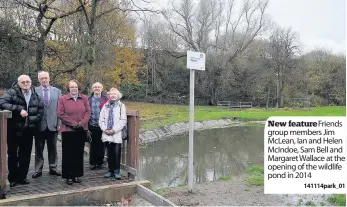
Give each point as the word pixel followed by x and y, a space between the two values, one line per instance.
pixel 97 83
pixel 42 72
pixel 22 76
pixel 119 94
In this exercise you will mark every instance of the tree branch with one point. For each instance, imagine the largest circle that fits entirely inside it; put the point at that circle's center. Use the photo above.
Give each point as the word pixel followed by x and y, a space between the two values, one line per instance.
pixel 75 67
pixel 125 10
pixel 85 12
pixel 26 4
pixel 177 55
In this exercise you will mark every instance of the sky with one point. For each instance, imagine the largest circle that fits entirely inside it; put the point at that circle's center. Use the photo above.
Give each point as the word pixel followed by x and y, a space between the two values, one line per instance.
pixel 319 23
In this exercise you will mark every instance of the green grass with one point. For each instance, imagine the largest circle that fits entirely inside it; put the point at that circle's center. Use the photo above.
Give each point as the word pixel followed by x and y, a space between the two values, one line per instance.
pixel 162 191
pixel 225 178
pixel 255 175
pixel 310 203
pixel 182 184
pixel 249 124
pixel 255 169
pixel 300 202
pixel 338 199
pixel 156 115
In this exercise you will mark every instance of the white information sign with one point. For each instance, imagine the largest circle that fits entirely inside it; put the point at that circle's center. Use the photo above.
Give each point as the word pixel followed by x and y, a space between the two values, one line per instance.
pixel 196 60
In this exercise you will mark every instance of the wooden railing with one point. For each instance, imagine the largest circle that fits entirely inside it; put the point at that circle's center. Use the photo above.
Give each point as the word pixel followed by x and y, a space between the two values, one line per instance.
pixel 130 151
pixel 4 115
pixel 131 146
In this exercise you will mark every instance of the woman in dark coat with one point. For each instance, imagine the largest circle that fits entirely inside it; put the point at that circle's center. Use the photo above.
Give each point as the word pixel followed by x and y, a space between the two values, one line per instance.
pixel 74 113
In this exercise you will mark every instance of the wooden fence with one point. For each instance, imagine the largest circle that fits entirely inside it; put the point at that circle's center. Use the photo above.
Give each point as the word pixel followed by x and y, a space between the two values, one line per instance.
pixel 4 115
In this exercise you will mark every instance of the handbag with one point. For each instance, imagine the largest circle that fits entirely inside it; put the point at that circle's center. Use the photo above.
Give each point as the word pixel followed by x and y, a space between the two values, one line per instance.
pixel 125 128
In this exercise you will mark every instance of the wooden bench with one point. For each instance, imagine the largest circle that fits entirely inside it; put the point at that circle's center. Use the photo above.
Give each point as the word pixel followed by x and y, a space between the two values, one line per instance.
pixel 239 105
pixel 223 103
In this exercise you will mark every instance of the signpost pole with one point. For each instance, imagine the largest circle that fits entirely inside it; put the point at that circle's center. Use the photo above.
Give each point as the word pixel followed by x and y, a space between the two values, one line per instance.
pixel 191 131
pixel 195 61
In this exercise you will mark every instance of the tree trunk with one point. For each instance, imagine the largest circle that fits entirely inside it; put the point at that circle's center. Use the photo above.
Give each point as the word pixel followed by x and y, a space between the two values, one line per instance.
pixel 40 47
pixel 92 44
pixel 282 88
pixel 278 89
pixel 268 98
pixel 281 93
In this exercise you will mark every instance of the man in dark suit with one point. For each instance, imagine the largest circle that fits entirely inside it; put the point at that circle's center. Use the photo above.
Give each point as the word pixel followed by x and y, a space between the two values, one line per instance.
pixel 48 128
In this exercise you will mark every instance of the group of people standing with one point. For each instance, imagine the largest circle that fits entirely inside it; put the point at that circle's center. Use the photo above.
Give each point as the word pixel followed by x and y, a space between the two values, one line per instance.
pixel 43 111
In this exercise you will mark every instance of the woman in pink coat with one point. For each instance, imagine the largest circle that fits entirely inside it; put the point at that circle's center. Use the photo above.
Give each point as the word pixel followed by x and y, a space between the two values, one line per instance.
pixel 74 113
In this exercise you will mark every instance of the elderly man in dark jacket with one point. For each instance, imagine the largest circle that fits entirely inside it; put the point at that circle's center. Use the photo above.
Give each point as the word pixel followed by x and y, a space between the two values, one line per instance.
pixel 27 111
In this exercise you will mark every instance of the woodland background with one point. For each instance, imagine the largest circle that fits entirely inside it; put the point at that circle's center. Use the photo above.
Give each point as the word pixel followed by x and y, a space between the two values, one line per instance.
pixel 141 50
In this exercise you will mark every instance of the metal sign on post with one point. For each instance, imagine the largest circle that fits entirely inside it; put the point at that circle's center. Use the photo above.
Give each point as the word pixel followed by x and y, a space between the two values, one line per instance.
pixel 195 61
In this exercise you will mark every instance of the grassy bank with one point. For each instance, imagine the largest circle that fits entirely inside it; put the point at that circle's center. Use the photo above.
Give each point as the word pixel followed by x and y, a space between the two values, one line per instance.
pixel 255 175
pixel 338 199
pixel 155 115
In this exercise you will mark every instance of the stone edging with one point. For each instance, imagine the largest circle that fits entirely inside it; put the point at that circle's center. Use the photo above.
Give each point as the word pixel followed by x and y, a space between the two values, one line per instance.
pixel 181 128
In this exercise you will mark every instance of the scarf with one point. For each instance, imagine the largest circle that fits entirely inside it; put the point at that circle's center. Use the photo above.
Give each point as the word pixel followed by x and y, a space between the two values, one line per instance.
pixel 110 114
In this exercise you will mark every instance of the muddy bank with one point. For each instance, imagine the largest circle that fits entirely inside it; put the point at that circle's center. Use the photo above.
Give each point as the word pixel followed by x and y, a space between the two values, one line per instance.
pixel 181 128
pixel 238 192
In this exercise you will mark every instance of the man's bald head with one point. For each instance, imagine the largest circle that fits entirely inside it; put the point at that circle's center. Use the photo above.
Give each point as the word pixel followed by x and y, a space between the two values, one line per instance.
pixel 24 82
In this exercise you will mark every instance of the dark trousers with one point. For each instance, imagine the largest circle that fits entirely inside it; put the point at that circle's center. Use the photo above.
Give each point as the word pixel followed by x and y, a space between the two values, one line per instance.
pixel 19 154
pixel 72 154
pixel 114 154
pixel 40 141
pixel 97 147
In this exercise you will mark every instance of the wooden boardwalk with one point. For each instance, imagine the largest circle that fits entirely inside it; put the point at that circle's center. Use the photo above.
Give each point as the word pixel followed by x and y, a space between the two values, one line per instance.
pixel 52 190
pixel 51 184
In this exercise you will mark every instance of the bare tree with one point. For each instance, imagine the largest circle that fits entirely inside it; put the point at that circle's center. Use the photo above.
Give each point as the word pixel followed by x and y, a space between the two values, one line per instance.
pixel 204 28
pixel 98 9
pixel 283 47
pixel 47 13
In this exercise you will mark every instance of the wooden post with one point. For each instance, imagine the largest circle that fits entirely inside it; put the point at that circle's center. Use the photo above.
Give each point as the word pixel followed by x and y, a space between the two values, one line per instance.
pixel 133 148
pixel 130 151
pixel 4 115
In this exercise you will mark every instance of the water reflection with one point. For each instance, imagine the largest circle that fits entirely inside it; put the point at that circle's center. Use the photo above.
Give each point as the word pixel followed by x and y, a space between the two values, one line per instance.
pixel 217 152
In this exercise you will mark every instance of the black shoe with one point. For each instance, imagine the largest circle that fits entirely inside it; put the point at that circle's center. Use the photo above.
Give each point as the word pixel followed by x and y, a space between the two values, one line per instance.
pixel 92 167
pixel 76 180
pixel 54 172
pixel 36 175
pixel 69 181
pixel 24 182
pixel 12 184
pixel 99 167
pixel 3 194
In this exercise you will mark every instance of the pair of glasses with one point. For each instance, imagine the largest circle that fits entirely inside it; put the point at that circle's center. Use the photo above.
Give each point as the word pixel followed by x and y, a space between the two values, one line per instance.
pixel 24 82
pixel 73 87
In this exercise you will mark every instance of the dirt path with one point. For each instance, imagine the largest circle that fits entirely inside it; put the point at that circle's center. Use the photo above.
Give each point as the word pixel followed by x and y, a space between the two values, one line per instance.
pixel 237 192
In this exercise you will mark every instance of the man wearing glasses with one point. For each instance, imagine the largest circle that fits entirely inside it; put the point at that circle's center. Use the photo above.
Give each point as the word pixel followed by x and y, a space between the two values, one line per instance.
pixel 27 111
pixel 97 148
pixel 48 128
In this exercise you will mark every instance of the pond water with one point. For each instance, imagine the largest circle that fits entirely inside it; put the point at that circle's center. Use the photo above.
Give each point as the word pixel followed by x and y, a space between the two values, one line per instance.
pixel 217 152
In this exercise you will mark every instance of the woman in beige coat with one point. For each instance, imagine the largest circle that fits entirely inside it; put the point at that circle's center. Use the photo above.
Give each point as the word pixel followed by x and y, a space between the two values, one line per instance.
pixel 113 119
